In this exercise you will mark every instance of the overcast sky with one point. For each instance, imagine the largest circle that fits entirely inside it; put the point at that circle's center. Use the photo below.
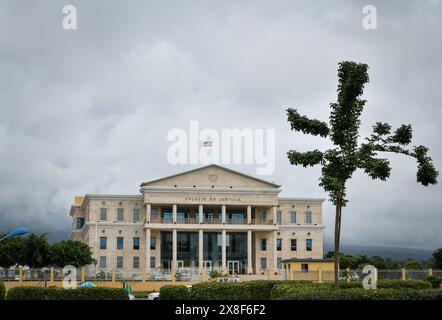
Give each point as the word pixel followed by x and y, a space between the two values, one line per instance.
pixel 88 111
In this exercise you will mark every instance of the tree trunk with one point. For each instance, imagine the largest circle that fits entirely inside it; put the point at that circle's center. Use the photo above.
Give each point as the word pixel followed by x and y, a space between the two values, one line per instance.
pixel 337 236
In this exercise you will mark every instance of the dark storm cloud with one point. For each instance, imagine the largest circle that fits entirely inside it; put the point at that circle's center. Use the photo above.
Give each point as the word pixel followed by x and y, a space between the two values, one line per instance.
pixel 88 111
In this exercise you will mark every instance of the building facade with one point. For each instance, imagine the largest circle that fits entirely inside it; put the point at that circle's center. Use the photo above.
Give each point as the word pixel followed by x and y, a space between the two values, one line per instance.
pixel 212 217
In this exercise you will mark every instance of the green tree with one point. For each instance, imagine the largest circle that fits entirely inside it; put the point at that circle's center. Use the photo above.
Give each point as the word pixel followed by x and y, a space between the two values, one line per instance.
pixel 437 258
pixel 391 264
pixel 413 264
pixel 70 252
pixel 11 251
pixel 348 154
pixel 36 251
pixel 378 262
pixel 346 260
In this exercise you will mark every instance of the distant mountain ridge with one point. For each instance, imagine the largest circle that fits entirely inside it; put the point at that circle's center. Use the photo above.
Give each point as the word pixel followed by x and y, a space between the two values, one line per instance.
pixel 394 253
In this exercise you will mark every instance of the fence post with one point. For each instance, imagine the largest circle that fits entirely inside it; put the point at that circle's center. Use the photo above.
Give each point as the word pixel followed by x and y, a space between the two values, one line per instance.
pixel 52 276
pixel 430 272
pixel 403 274
pixel 20 274
pixel 173 274
pixel 203 274
pixel 83 274
pixel 376 274
pixel 113 275
pixel 319 275
pixel 347 274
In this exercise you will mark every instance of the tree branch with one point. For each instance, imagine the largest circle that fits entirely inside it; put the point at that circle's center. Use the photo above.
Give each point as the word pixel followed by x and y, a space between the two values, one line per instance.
pixel 309 158
pixel 306 125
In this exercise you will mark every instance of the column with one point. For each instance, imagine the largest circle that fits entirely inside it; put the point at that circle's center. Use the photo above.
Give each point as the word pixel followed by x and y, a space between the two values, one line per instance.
pixel 223 251
pixel 249 214
pixel 223 214
pixel 200 250
pixel 274 214
pixel 275 252
pixel 200 213
pixel 148 236
pixel 148 212
pixel 174 210
pixel 249 252
pixel 174 249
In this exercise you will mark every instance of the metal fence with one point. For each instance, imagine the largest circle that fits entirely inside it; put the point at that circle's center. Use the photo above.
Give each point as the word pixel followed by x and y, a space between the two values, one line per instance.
pixel 193 274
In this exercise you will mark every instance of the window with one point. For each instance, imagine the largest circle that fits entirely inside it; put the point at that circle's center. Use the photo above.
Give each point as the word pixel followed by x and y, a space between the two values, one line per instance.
pixel 120 262
pixel 136 215
pixel 136 262
pixel 293 217
pixel 308 217
pixel 278 244
pixel 308 244
pixel 103 214
pixel 153 214
pixel 263 263
pixel 220 240
pixel 80 223
pixel 293 244
pixel 120 243
pixel 153 243
pixel 102 261
pixel 262 216
pixel 152 262
pixel 120 214
pixel 136 244
pixel 103 243
pixel 304 267
pixel 278 217
pixel 279 263
pixel 263 244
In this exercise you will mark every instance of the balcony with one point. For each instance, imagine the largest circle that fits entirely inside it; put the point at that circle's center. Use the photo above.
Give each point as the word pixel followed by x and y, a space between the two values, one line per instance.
pixel 211 221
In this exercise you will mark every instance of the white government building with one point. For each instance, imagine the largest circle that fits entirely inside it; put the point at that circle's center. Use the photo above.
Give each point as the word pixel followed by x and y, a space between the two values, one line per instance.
pixel 211 217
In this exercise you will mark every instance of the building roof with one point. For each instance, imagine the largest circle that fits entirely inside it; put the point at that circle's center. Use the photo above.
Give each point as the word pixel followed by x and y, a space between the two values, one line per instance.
pixel 212 166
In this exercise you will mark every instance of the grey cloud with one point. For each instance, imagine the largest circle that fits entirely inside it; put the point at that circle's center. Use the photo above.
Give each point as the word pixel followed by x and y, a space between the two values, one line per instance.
pixel 88 111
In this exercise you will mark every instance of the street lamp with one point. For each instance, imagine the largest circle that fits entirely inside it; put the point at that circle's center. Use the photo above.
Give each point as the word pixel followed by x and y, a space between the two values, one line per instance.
pixel 16 233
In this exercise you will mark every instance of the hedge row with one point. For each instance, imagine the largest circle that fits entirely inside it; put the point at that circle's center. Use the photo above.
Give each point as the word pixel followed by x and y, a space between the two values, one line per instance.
pixel 390 284
pixel 249 290
pixel 174 293
pixel 358 294
pixel 265 290
pixel 53 293
pixel 2 291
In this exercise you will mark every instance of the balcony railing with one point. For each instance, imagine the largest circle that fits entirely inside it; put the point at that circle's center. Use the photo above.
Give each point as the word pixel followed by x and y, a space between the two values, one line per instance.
pixel 231 221
pixel 262 222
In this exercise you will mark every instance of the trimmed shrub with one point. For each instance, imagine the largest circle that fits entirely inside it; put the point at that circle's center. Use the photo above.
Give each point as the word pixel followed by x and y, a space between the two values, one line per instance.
pixel 434 281
pixel 174 293
pixel 53 293
pixel 248 290
pixel 389 284
pixel 2 291
pixel 359 294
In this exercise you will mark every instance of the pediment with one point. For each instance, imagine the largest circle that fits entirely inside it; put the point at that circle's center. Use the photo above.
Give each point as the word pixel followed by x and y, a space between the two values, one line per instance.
pixel 212 175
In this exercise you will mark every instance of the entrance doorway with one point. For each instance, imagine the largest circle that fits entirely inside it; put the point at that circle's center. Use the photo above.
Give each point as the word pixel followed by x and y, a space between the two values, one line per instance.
pixel 233 267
